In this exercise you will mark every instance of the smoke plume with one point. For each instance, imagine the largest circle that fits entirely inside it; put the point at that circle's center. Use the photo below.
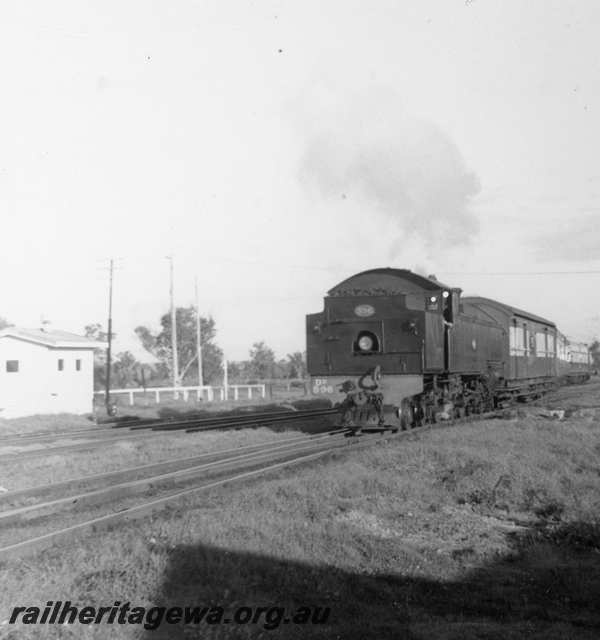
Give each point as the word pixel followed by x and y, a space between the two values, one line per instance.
pixel 404 167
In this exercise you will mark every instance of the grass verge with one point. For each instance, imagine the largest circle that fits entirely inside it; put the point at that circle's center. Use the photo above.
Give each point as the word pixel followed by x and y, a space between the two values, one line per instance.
pixel 485 530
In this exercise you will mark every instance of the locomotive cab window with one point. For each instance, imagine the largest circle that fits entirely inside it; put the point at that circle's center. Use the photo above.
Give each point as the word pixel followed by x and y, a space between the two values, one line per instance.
pixel 12 366
pixel 366 342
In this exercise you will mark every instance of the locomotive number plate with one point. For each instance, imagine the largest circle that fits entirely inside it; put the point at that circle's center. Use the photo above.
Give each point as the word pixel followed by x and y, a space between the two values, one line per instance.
pixel 364 310
pixel 321 385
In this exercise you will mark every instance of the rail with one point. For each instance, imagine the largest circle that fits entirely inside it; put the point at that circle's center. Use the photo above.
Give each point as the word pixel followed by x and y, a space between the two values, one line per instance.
pixel 150 428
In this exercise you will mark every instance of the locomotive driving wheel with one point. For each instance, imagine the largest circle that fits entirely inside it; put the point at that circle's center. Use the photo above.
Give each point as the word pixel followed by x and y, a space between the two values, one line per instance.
pixel 406 414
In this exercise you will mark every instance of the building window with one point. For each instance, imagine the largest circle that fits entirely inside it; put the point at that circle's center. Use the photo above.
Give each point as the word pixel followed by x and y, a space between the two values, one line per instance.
pixel 61 364
pixel 78 365
pixel 12 366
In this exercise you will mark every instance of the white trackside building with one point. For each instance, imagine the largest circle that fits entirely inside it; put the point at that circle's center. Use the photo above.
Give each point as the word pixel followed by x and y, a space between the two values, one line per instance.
pixel 45 371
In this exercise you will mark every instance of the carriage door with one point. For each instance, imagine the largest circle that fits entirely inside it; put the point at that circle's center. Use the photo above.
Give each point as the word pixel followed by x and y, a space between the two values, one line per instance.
pixel 523 351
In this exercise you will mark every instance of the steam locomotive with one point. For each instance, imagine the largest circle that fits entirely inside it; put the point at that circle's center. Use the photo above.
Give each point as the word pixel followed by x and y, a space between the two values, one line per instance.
pixel 395 349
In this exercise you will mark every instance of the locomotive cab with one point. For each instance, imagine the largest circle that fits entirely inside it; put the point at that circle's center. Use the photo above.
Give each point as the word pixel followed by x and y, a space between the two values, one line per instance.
pixel 391 321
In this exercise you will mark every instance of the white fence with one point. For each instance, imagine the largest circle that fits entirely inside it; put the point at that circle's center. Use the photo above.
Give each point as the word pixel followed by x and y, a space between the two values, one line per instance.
pixel 223 393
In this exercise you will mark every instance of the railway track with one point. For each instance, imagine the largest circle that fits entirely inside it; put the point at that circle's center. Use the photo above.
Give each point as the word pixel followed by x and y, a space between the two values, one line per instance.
pixel 94 437
pixel 20 500
pixel 96 502
pixel 114 497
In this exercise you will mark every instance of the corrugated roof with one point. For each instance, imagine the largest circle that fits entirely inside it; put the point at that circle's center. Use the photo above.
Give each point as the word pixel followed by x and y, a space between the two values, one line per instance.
pixel 51 337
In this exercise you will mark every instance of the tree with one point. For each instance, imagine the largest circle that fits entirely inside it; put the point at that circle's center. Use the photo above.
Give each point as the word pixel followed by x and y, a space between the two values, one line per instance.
pixel 4 323
pixel 159 344
pixel 235 371
pixel 262 365
pixel 296 365
pixel 262 361
pixel 125 370
pixel 95 332
pixel 595 353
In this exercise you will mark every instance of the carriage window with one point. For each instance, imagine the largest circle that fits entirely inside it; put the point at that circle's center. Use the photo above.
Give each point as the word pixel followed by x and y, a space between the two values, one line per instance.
pixel 78 365
pixel 562 348
pixel 61 364
pixel 12 366
pixel 518 339
pixel 540 344
pixel 512 337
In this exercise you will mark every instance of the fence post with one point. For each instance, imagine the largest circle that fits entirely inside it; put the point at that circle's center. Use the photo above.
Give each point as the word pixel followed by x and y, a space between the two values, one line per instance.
pixel 157 396
pixel 198 393
pixel 249 392
pixel 131 397
pixel 263 391
pixel 211 395
pixel 185 395
pixel 236 392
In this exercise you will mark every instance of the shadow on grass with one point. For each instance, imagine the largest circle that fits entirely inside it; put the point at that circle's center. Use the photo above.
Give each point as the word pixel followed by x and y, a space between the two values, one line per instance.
pixel 548 587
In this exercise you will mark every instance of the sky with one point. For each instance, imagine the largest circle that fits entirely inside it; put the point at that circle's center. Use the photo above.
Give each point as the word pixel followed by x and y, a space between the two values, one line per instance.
pixel 275 148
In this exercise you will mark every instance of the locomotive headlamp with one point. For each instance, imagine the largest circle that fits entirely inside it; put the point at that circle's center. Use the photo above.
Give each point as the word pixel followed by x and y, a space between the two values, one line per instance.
pixel 433 299
pixel 446 294
pixel 365 343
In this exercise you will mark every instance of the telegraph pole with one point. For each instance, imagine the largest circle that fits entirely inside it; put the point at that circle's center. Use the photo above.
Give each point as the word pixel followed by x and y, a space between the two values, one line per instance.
pixel 173 328
pixel 108 349
pixel 198 336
